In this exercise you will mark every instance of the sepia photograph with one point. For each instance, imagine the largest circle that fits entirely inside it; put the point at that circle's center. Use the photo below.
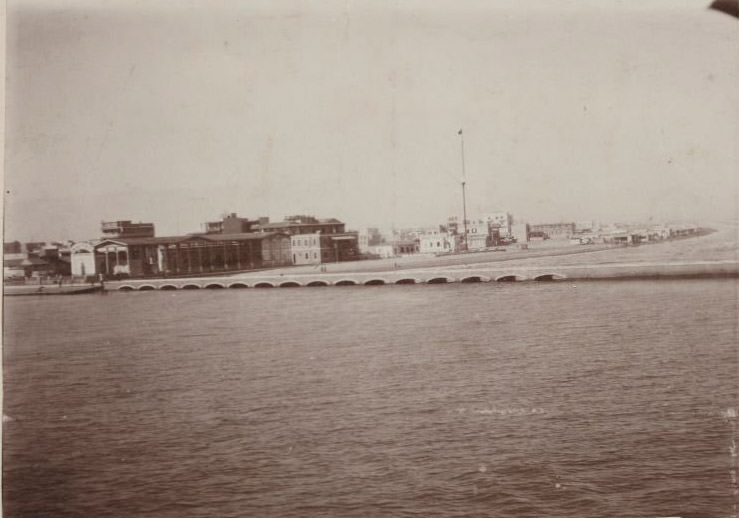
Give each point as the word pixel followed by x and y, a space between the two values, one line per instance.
pixel 370 258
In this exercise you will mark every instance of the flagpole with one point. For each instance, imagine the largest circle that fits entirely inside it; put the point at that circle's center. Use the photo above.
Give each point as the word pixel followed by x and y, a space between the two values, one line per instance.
pixel 464 198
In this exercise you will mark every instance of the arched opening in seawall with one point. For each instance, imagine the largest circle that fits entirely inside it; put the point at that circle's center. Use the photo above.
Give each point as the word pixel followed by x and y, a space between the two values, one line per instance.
pixel 473 278
pixel 314 284
pixel 407 281
pixel 545 277
pixel 510 278
pixel 375 282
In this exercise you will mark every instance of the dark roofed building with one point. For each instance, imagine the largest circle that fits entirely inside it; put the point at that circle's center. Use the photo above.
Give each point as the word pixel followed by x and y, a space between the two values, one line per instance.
pixel 14 247
pixel 189 255
pixel 304 225
pixel 126 228
pixel 230 224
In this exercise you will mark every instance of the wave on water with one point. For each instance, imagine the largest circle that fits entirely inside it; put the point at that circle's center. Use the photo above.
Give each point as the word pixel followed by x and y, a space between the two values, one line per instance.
pixel 503 412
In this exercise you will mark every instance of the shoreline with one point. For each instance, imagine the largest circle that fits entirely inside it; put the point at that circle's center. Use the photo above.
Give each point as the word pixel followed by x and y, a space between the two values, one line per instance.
pixel 680 258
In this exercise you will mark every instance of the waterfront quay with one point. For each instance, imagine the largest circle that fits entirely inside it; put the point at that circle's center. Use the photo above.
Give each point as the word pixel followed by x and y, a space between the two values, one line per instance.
pixel 451 274
pixel 711 255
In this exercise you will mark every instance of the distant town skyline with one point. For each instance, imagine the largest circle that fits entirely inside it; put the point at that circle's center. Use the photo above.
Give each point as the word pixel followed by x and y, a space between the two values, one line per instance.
pixel 177 112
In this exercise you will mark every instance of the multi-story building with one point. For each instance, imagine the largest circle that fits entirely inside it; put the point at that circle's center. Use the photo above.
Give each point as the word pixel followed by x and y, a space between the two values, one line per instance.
pixel 230 224
pixel 369 239
pixel 437 242
pixel 302 225
pixel 520 232
pixel 483 233
pixel 317 248
pixel 452 225
pixel 126 228
pixel 554 230
pixel 501 220
pixel 306 248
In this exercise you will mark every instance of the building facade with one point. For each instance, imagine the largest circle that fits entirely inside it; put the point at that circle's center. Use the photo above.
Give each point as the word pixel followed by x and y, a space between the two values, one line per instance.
pixel 82 259
pixel 406 247
pixel 230 224
pixel 437 242
pixel 554 230
pixel 520 232
pixel 302 225
pixel 187 255
pixel 482 233
pixel 36 259
pixel 126 228
pixel 500 220
pixel 306 248
pixel 317 248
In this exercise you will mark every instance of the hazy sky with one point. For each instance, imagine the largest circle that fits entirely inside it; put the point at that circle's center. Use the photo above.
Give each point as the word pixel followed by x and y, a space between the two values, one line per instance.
pixel 175 112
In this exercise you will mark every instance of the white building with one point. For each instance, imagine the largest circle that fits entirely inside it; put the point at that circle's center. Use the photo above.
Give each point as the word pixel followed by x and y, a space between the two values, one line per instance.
pixel 520 232
pixel 82 259
pixel 306 248
pixel 383 251
pixel 479 234
pixel 501 219
pixel 436 242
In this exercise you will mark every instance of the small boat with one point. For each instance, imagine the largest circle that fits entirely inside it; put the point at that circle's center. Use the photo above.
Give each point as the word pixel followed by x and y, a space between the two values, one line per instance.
pixel 49 289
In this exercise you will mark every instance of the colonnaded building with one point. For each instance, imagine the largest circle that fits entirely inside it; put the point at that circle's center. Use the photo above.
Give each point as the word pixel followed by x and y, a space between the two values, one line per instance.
pixel 231 244
pixel 184 255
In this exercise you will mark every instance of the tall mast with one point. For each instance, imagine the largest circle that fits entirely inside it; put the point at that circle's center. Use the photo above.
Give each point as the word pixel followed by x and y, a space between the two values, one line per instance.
pixel 464 198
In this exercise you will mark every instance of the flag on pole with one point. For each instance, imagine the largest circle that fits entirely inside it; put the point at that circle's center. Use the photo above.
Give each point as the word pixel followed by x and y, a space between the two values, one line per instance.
pixel 459 132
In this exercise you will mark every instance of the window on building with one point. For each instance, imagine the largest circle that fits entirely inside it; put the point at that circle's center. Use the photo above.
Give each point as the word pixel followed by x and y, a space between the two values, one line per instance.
pixel 306 255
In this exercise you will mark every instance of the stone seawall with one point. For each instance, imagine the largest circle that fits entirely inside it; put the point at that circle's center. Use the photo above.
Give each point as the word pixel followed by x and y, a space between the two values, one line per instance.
pixel 462 274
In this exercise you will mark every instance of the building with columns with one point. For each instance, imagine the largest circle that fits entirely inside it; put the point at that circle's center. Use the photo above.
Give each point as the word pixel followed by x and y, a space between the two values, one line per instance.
pixel 191 255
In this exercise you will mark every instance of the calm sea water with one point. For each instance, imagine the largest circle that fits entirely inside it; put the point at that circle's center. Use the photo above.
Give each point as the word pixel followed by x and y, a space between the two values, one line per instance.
pixel 595 399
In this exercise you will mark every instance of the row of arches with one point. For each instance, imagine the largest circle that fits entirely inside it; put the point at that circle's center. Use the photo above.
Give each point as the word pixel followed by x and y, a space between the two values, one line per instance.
pixel 342 282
